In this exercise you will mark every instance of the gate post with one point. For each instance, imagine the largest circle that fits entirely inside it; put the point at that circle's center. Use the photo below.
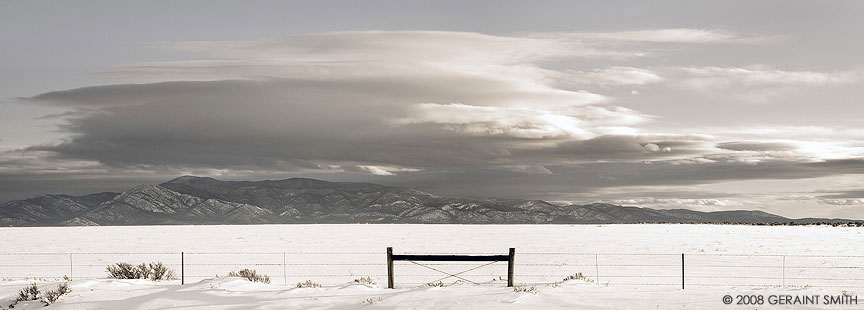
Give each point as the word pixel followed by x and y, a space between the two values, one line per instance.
pixel 182 268
pixel 510 267
pixel 389 267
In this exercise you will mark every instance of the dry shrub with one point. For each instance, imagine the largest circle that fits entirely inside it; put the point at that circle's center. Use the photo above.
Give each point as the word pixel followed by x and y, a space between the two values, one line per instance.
pixel 250 275
pixel 158 271
pixel 435 284
pixel 577 276
pixel 526 289
pixel 49 297
pixel 308 283
pixel 365 280
pixel 154 271
pixel 31 293
pixel 123 271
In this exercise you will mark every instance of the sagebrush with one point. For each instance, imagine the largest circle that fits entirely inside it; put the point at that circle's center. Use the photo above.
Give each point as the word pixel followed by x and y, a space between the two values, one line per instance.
pixel 28 293
pixel 250 275
pixel 153 271
pixel 50 296
pixel 31 293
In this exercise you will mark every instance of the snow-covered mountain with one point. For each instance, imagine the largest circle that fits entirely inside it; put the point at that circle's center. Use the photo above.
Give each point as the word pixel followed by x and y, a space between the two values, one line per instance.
pixel 199 200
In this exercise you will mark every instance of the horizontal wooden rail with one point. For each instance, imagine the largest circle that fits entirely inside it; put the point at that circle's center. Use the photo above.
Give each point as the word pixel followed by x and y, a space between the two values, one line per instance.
pixel 453 258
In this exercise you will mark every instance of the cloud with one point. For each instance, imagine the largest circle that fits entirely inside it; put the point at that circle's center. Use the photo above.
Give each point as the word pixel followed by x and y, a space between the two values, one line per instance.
pixel 845 194
pixel 814 142
pixel 383 170
pixel 707 77
pixel 701 204
pixel 304 124
pixel 795 198
pixel 757 84
pixel 615 76
pixel 755 146
pixel 843 202
pixel 530 169
pixel 529 121
pixel 409 100
pixel 618 148
pixel 843 198
pixel 595 180
pixel 364 53
pixel 327 55
pixel 394 46
pixel 671 35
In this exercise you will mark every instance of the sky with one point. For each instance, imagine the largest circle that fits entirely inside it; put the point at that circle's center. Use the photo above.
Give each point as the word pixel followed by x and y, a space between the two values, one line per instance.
pixel 704 105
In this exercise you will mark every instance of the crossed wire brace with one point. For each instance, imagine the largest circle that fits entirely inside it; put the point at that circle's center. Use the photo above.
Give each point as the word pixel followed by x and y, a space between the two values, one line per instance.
pixel 452 275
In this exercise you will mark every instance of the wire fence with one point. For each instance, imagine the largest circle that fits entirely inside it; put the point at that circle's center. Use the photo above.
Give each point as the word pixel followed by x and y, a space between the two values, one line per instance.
pixel 673 270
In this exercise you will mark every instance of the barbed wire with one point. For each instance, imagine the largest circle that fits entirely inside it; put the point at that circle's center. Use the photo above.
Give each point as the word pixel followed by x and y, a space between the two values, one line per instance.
pixel 696 276
pixel 429 253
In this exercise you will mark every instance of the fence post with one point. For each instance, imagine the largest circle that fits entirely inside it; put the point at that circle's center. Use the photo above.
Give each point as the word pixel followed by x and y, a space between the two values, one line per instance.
pixel 389 267
pixel 284 269
pixel 783 271
pixel 682 271
pixel 70 266
pixel 596 269
pixel 182 269
pixel 510 266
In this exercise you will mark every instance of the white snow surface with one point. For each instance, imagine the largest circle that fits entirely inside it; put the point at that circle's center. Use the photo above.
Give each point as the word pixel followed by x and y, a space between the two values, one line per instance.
pixel 626 266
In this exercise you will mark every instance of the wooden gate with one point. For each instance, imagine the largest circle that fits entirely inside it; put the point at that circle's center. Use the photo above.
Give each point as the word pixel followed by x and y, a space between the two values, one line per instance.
pixel 451 258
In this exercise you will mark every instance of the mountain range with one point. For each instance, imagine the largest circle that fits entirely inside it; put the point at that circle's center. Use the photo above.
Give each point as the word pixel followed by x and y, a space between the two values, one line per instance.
pixel 201 200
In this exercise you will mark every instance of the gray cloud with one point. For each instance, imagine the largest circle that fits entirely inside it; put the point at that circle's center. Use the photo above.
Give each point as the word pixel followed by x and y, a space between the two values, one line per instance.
pixel 755 146
pixel 571 181
pixel 672 35
pixel 292 124
pixel 843 198
pixel 759 83
pixel 619 148
pixel 849 200
pixel 843 202
pixel 844 194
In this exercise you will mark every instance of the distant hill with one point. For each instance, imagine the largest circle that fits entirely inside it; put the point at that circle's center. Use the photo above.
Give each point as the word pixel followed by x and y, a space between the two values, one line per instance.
pixel 199 200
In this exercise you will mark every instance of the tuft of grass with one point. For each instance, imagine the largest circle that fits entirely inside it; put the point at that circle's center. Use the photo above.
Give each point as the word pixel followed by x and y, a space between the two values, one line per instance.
pixel 526 289
pixel 251 275
pixel 365 280
pixel 372 301
pixel 573 277
pixel 435 284
pixel 308 283
pixel 577 276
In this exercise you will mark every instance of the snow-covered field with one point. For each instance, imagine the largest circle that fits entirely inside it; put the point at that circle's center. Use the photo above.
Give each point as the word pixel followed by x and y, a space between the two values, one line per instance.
pixel 625 266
